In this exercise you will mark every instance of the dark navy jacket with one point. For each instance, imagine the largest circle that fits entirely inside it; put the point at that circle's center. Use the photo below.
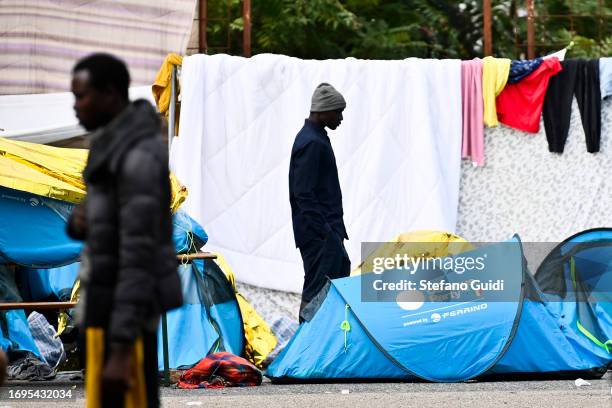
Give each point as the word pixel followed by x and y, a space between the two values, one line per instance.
pixel 314 188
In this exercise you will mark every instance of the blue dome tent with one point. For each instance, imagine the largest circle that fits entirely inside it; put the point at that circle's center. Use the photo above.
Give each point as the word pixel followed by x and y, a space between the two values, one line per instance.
pixel 527 330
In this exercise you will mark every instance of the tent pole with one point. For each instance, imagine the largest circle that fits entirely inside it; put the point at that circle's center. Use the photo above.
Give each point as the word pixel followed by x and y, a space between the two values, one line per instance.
pixel 165 349
pixel 172 114
pixel 171 123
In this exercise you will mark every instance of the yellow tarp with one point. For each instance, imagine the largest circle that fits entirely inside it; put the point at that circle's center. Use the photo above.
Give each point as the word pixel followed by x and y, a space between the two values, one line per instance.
pixel 260 341
pixel 53 172
pixel 431 244
pixel 43 170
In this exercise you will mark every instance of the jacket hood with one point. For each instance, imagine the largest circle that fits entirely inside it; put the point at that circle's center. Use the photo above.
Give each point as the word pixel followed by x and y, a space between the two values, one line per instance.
pixel 138 121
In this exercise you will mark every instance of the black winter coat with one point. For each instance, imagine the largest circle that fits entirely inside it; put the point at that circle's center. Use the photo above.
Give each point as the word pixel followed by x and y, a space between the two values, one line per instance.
pixel 133 274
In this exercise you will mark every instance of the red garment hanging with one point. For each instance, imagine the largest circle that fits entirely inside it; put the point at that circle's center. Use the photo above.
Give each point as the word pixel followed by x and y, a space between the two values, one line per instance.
pixel 520 105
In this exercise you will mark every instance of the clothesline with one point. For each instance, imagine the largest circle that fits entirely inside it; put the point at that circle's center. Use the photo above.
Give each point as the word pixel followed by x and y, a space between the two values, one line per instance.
pixel 513 92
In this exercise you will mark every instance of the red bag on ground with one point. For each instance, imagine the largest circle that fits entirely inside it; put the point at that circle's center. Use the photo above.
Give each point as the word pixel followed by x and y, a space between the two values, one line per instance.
pixel 220 370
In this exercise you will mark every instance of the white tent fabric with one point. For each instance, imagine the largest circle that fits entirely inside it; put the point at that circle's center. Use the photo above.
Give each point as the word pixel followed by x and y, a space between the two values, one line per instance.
pixel 398 152
pixel 46 118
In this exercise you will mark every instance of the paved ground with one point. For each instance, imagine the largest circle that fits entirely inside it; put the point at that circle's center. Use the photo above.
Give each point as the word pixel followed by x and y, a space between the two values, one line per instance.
pixel 540 394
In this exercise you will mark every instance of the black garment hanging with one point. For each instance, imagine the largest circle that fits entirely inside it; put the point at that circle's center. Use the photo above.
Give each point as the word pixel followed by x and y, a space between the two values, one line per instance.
pixel 581 78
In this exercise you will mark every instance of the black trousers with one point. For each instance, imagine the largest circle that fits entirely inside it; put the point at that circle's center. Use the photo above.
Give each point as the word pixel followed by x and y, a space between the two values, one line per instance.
pixel 580 78
pixel 323 259
pixel 151 374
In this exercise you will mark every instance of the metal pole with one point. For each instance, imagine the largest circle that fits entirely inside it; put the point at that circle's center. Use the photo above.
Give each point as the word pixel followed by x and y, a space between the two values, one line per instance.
pixel 172 114
pixel 487 33
pixel 165 349
pixel 530 30
pixel 203 26
pixel 246 37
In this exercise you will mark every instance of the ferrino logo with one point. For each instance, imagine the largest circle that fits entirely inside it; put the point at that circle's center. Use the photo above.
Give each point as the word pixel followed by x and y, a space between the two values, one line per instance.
pixel 436 317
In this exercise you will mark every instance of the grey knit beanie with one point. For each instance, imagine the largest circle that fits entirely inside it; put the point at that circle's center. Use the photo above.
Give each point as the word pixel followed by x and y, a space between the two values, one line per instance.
pixel 326 98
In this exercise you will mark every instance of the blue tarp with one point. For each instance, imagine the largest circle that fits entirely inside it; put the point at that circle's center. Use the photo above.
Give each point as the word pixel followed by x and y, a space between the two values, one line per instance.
pixel 525 331
pixel 33 235
pixel 209 320
pixel 15 333
pixel 43 284
pixel 33 230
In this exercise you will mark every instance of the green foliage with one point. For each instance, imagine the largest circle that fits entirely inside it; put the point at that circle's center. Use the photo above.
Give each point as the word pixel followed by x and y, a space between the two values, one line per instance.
pixel 393 29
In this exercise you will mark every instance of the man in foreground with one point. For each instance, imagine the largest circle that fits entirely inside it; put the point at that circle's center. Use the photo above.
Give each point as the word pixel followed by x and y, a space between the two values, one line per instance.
pixel 127 226
pixel 315 196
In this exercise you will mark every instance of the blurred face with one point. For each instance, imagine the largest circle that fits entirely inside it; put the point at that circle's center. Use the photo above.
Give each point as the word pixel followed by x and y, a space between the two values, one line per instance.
pixel 332 119
pixel 91 106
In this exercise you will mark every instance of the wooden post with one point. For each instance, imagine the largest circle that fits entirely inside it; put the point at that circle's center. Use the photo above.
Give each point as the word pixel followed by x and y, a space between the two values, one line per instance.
pixel 165 349
pixel 37 305
pixel 246 18
pixel 203 16
pixel 487 34
pixel 530 30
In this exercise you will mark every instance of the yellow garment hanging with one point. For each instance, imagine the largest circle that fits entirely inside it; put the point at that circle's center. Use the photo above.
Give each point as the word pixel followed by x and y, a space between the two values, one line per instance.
pixel 161 87
pixel 495 73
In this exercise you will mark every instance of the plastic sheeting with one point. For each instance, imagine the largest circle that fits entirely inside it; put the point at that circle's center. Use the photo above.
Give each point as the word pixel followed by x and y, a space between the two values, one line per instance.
pixel 40 40
pixel 54 172
pixel 33 230
pixel 47 118
pixel 43 170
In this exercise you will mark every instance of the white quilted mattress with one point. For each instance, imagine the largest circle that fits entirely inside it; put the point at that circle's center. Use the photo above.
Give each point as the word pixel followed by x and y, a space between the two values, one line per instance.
pixel 398 152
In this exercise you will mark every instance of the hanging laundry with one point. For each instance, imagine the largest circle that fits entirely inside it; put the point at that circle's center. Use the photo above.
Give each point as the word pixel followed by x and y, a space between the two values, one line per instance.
pixel 495 73
pixel 161 87
pixel 580 78
pixel 605 76
pixel 560 55
pixel 520 105
pixel 472 111
pixel 519 69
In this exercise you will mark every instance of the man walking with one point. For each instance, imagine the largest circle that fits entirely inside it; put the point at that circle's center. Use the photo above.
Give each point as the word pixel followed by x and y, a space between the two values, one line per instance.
pixel 315 196
pixel 127 226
